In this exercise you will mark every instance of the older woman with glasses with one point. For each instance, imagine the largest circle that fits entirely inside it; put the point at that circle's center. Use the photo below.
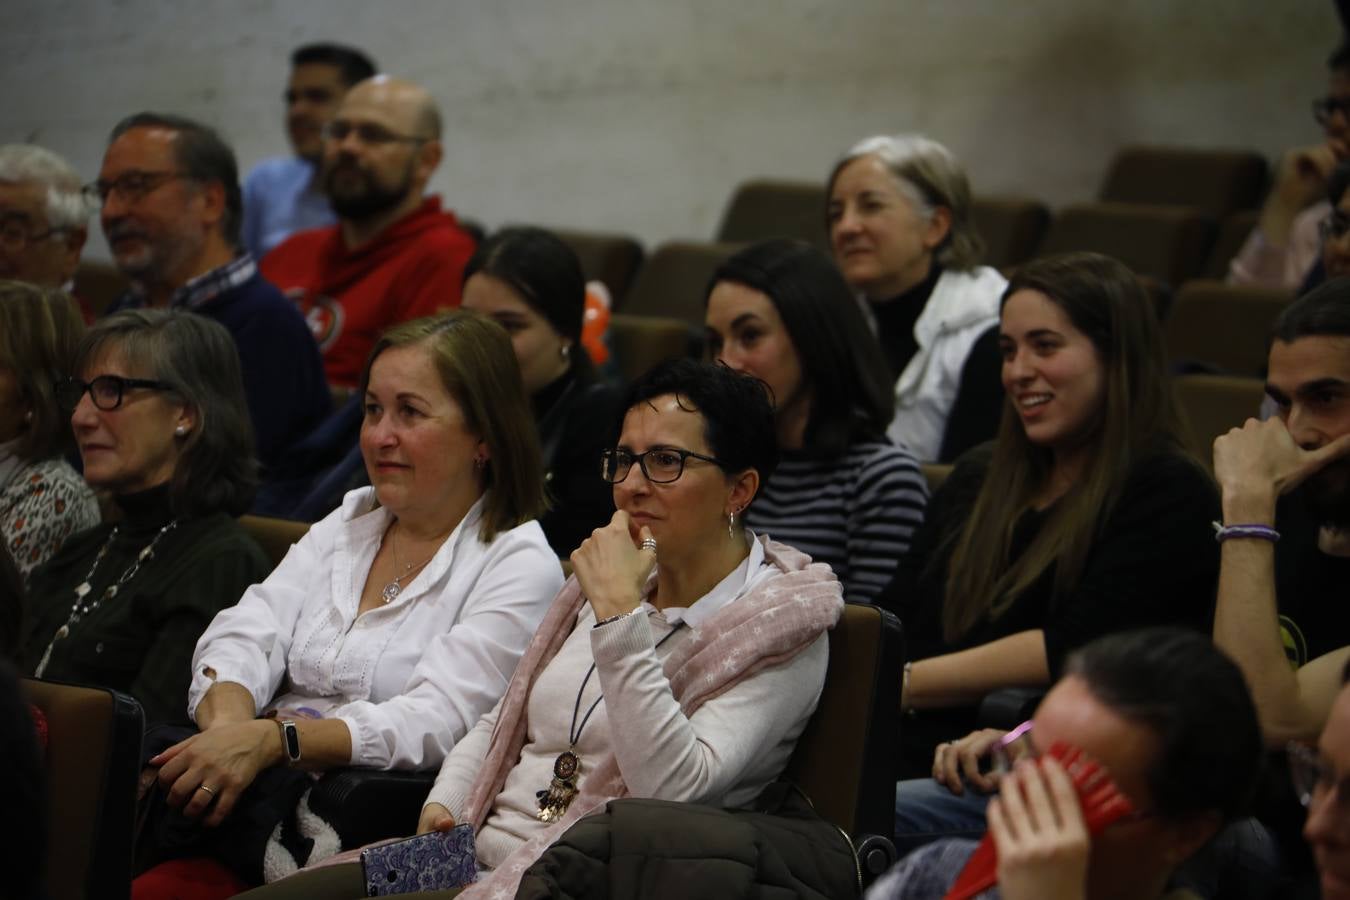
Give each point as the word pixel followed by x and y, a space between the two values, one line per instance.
pixel 43 500
pixel 680 662
pixel 159 417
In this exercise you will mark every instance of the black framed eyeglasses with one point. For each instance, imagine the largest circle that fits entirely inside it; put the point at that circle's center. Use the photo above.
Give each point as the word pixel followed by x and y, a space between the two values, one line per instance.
pixel 106 391
pixel 16 232
pixel 369 133
pixel 131 186
pixel 661 465
pixel 1324 108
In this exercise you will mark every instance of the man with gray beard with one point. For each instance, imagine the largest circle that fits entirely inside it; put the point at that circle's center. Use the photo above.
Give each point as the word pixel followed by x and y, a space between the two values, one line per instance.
pixel 170 207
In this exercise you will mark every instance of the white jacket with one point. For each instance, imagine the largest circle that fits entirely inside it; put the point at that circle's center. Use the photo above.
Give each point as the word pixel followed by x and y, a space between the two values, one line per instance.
pixel 963 306
pixel 409 679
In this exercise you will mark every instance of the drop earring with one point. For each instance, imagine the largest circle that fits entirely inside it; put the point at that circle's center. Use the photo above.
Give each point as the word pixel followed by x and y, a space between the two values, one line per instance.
pixel 731 521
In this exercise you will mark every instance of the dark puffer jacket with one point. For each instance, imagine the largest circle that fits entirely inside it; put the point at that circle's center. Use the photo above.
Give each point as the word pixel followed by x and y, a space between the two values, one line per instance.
pixel 657 849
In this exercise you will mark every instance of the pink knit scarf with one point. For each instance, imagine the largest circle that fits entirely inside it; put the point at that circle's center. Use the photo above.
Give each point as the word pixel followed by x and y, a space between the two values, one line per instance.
pixel 771 624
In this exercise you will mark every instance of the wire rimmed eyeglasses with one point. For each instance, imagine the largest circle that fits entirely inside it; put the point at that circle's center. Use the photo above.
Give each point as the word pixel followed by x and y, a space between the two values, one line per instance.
pixel 660 465
pixel 106 391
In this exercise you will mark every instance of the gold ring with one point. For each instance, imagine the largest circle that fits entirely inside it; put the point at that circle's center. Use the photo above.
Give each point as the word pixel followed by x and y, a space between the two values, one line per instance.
pixel 202 787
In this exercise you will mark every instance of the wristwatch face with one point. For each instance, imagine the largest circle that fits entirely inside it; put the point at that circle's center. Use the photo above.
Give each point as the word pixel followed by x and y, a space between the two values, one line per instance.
pixel 292 740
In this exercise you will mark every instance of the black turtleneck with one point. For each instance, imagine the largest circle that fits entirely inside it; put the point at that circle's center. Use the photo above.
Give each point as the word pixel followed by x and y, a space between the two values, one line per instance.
pixel 896 318
pixel 141 640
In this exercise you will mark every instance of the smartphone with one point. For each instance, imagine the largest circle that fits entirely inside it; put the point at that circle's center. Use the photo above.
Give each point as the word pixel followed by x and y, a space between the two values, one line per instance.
pixel 435 861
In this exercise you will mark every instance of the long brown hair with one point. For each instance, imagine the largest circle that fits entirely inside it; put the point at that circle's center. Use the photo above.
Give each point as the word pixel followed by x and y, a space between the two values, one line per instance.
pixel 1107 303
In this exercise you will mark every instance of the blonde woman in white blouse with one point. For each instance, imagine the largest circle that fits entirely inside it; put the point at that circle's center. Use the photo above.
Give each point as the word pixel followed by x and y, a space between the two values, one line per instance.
pixel 395 623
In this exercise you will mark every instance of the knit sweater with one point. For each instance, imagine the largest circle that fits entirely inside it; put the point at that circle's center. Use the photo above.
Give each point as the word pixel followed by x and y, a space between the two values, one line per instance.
pixel 855 513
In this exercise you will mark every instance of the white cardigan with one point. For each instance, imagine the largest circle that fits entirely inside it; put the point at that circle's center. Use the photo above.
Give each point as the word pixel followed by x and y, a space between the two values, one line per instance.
pixel 963 306
pixel 409 679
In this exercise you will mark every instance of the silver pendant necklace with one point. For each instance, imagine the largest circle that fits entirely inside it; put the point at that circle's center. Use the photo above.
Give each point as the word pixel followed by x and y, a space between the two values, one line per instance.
pixel 391 590
pixel 83 608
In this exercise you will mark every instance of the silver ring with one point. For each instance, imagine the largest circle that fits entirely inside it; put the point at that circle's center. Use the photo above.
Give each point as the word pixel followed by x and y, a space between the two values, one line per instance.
pixel 202 787
pixel 649 544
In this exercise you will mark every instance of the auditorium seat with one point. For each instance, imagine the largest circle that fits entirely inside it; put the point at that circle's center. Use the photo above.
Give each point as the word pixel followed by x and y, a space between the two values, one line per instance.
pixel 1214 182
pixel 1212 404
pixel 1223 326
pixel 1232 234
pixel 640 342
pixel 1165 242
pixel 768 208
pixel 674 280
pixel 1012 228
pixel 93 761
pixel 98 284
pixel 611 258
pixel 274 536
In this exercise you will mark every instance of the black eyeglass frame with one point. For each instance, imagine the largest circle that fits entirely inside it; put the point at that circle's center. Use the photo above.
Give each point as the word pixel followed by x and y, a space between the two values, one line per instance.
pixel 368 134
pixel 134 186
pixel 70 391
pixel 617 453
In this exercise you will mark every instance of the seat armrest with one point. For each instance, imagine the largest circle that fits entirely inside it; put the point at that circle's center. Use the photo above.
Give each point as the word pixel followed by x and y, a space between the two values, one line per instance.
pixel 366 805
pixel 1007 708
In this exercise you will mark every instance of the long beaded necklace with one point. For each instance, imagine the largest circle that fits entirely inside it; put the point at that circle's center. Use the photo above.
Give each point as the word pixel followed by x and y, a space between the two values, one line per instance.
pixel 83 607
pixel 553 801
pixel 394 588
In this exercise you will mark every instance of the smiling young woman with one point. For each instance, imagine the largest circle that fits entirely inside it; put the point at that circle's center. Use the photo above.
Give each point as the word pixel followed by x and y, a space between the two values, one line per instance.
pixel 1085 517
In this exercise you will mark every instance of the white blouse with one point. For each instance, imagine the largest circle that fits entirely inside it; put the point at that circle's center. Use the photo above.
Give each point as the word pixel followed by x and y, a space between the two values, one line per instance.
pixel 409 679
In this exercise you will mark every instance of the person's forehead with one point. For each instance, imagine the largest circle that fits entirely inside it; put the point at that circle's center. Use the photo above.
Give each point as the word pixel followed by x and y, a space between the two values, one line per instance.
pixel 666 419
pixel 1072 713
pixel 379 103
pixel 149 149
pixel 1308 359
pixel 866 173
pixel 26 197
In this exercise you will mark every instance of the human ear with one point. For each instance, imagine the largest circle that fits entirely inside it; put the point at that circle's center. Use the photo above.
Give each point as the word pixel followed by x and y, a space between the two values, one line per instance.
pixel 938 227
pixel 744 486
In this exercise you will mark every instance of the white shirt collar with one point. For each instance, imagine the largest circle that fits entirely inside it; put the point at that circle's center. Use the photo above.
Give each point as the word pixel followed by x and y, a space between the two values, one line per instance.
pixel 737 583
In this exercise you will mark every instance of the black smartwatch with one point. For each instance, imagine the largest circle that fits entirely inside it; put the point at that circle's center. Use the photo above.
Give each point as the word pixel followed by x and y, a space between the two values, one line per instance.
pixel 290 740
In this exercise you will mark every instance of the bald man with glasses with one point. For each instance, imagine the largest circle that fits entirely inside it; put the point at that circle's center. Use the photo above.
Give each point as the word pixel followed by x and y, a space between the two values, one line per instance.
pixel 394 254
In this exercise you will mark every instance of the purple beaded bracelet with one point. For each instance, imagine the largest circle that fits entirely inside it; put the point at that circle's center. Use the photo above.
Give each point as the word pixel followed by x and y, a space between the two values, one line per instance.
pixel 1223 532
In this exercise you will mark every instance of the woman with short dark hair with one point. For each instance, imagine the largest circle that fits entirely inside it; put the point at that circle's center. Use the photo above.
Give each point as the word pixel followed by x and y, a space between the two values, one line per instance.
pixel 158 414
pixel 843 493
pixel 692 652
pixel 43 500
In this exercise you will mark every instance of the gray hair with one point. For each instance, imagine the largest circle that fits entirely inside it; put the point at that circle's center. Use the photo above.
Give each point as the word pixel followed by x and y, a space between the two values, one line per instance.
pixel 67 205
pixel 929 175
pixel 197 358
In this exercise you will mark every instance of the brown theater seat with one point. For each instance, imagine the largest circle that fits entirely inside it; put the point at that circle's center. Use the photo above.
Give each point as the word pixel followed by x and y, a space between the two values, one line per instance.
pixel 673 281
pixel 1212 404
pixel 1214 182
pixel 1223 326
pixel 767 208
pixel 640 342
pixel 1164 242
pixel 1012 228
pixel 1232 234
pixel 611 258
pixel 98 284
pixel 93 761
pixel 274 536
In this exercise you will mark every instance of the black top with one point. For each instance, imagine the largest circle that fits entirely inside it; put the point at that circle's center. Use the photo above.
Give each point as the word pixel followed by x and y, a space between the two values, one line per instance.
pixel 1155 562
pixel 1311 587
pixel 576 418
pixel 895 321
pixel 141 640
pixel 975 414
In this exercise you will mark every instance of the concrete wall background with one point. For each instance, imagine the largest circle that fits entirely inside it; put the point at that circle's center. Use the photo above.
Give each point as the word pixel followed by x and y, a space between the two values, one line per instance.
pixel 642 116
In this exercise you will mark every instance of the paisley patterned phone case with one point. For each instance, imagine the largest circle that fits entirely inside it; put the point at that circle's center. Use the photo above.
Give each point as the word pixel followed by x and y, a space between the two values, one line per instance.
pixel 435 861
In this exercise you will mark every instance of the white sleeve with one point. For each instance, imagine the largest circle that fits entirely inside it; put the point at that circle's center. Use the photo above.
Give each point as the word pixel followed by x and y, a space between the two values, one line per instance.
pixel 664 754
pixel 248 643
pixel 463 672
